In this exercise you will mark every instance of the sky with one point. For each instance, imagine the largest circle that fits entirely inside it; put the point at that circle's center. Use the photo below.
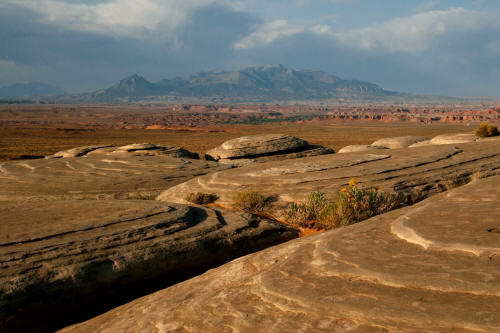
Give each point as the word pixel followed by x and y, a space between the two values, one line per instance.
pixel 438 47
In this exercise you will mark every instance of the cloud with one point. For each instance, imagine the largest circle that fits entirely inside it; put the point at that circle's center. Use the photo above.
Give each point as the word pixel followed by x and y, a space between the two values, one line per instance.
pixel 79 60
pixel 425 6
pixel 7 64
pixel 420 32
pixel 117 18
pixel 268 32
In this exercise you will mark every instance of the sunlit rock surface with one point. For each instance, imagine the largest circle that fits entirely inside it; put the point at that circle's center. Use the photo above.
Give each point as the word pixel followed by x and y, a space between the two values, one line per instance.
pixel 63 261
pixel 416 172
pixel 432 267
pixel 136 148
pixel 263 148
pixel 399 141
pixel 120 176
pixel 356 148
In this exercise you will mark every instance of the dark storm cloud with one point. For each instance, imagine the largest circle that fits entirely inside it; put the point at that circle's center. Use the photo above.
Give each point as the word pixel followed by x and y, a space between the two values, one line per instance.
pixel 82 61
pixel 451 52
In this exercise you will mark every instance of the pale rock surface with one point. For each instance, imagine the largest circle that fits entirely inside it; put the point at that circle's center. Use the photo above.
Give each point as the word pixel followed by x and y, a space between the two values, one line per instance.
pixel 399 142
pixel 261 148
pixel 453 139
pixel 117 176
pixel 62 261
pixel 432 267
pixel 136 148
pixel 357 148
pixel 421 173
pixel 445 139
pixel 76 152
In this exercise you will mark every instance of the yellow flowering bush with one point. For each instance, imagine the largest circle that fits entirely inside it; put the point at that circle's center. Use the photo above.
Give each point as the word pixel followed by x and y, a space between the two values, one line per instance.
pixel 353 204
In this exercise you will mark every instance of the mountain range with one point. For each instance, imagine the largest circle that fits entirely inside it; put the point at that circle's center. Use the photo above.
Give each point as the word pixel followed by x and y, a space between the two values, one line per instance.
pixel 264 83
pixel 32 89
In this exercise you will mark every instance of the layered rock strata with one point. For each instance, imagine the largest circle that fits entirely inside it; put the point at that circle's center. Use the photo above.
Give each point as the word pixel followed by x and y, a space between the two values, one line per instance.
pixel 263 148
pixel 416 173
pixel 136 148
pixel 432 267
pixel 65 261
pixel 120 176
pixel 356 148
pixel 399 141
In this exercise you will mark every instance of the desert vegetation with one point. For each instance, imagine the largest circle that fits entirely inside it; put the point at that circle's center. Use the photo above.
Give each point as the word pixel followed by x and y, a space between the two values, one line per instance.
pixel 353 204
pixel 253 202
pixel 201 198
pixel 486 130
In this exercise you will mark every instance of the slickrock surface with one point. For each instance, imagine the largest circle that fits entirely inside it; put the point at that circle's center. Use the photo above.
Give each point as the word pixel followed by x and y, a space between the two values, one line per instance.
pixel 121 176
pixel 444 139
pixel 263 148
pixel 432 267
pixel 417 172
pixel 64 261
pixel 76 152
pixel 399 142
pixel 136 148
pixel 355 148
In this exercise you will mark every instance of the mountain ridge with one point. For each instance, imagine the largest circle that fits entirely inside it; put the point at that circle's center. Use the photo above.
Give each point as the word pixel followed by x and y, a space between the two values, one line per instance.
pixel 268 82
pixel 30 89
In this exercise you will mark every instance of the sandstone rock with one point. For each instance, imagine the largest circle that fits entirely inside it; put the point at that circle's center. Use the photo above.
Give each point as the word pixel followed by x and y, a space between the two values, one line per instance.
pixel 399 142
pixel 137 148
pixel 258 148
pixel 119 176
pixel 421 144
pixel 63 261
pixel 76 152
pixel 150 149
pixel 433 267
pixel 256 145
pixel 310 151
pixel 453 139
pixel 445 139
pixel 357 148
pixel 423 172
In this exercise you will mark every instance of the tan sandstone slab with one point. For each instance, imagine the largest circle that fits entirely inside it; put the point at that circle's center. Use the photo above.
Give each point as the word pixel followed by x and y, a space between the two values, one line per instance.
pixel 432 267
pixel 445 139
pixel 255 145
pixel 356 148
pixel 262 148
pixel 64 261
pixel 121 176
pixel 417 173
pixel 77 152
pixel 135 148
pixel 399 142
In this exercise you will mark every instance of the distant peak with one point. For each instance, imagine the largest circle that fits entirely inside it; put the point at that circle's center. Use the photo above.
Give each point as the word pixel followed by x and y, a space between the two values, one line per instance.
pixel 134 77
pixel 272 67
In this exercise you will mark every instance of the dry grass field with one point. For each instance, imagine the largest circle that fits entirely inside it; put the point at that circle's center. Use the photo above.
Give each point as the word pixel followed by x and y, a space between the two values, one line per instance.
pixel 16 141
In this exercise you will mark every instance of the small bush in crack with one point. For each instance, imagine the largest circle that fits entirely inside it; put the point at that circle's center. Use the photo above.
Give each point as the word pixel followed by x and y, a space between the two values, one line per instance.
pixel 201 198
pixel 252 201
pixel 354 204
pixel 308 211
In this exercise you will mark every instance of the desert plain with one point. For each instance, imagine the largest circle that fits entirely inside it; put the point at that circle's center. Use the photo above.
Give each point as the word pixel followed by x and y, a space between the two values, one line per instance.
pixel 102 238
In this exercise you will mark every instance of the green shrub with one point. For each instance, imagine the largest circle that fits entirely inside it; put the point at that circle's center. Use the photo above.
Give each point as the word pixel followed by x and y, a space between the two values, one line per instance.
pixel 252 201
pixel 486 130
pixel 201 198
pixel 354 204
pixel 307 211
